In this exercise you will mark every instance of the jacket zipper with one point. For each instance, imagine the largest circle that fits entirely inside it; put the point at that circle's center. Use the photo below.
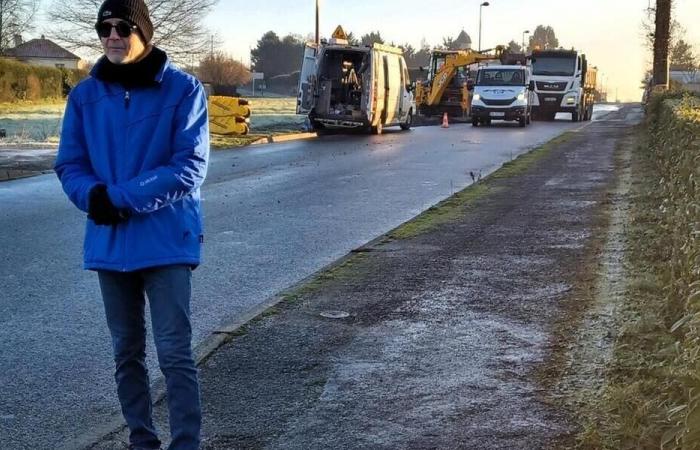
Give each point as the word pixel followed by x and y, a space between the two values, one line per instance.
pixel 127 99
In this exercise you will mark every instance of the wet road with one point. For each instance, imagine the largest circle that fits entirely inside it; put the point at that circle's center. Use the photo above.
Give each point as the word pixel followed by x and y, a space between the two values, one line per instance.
pixel 274 215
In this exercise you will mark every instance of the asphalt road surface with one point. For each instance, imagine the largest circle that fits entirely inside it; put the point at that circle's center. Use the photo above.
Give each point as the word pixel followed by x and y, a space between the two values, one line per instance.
pixel 274 215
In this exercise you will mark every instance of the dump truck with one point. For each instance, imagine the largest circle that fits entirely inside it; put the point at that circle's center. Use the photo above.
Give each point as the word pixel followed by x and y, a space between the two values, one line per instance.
pixel 564 82
pixel 445 89
pixel 346 87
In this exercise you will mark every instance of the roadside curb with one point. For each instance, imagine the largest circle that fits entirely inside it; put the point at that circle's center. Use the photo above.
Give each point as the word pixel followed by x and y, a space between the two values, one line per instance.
pixel 11 174
pixel 272 139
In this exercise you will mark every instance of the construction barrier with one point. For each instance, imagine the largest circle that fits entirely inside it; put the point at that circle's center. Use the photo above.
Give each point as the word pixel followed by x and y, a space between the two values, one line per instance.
pixel 229 115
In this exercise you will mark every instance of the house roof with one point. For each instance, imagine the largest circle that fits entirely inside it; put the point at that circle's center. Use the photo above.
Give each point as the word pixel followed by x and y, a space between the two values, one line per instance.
pixel 463 37
pixel 40 48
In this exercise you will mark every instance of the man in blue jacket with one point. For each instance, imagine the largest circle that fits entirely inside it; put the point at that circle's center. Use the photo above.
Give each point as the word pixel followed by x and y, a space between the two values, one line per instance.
pixel 133 154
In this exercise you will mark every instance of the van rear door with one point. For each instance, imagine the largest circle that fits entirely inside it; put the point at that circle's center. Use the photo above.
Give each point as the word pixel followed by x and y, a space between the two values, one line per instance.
pixel 307 80
pixel 392 101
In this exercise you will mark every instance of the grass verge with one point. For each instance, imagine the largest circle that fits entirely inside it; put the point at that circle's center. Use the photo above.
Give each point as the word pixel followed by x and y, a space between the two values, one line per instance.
pixel 454 207
pixel 651 399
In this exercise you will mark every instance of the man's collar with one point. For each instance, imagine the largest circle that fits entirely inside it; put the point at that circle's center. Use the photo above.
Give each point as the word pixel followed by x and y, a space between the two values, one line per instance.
pixel 148 71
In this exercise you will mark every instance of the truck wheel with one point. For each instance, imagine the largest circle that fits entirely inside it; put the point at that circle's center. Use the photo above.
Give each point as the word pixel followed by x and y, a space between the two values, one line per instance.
pixel 575 116
pixel 475 122
pixel 409 120
pixel 378 129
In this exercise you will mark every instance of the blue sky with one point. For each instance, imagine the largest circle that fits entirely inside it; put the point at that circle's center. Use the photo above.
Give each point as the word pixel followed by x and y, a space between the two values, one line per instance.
pixel 607 30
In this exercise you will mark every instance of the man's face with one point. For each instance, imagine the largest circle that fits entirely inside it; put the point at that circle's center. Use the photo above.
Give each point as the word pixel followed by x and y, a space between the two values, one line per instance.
pixel 122 50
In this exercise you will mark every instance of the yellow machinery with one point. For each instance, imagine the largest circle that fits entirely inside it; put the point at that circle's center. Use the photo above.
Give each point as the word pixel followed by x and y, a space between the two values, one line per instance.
pixel 445 90
pixel 229 115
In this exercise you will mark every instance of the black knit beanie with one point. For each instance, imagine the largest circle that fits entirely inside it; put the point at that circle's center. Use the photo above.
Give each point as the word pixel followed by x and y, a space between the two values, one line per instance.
pixel 133 11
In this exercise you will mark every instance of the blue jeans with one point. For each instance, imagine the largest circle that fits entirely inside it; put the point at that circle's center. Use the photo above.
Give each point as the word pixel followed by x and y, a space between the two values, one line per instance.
pixel 168 290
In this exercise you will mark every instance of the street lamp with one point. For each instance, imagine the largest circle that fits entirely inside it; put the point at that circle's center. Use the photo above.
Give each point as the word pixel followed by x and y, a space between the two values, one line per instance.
pixel 318 34
pixel 480 8
pixel 524 33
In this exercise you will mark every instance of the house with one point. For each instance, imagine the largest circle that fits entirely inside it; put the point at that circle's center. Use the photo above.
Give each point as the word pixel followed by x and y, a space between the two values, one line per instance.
pixel 463 41
pixel 42 52
pixel 690 79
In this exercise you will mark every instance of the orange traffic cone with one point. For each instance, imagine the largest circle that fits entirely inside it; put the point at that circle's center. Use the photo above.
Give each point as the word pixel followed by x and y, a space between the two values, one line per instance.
pixel 445 123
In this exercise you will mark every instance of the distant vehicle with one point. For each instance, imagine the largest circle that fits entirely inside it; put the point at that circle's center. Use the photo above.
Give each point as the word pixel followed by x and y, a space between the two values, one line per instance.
pixel 355 87
pixel 563 83
pixel 502 93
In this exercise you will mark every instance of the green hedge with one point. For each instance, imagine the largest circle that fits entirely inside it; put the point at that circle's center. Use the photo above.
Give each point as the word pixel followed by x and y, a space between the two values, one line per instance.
pixel 674 123
pixel 19 81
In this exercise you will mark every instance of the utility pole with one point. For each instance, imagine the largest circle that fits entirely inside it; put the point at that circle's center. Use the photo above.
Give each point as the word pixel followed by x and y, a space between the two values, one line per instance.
pixel 318 31
pixel 661 44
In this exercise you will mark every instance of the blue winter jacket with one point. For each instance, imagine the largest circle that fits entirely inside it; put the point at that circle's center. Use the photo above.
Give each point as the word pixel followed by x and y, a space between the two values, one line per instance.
pixel 150 146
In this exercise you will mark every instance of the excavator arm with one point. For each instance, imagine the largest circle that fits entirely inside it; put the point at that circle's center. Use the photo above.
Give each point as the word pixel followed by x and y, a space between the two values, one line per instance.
pixel 453 61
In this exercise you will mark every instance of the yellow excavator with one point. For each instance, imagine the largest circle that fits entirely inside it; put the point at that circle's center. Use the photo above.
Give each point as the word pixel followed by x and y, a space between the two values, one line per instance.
pixel 445 90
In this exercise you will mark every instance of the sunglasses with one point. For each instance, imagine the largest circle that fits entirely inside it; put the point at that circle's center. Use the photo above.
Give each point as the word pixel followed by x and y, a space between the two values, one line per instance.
pixel 124 29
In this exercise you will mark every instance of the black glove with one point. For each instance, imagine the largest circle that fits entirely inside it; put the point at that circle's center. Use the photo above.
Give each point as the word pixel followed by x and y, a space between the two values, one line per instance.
pixel 101 210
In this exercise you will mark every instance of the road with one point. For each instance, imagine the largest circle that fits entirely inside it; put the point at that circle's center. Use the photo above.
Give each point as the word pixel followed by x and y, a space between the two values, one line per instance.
pixel 274 215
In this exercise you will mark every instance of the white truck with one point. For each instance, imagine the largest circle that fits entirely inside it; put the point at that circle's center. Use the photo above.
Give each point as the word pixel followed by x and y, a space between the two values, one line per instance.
pixel 563 83
pixel 355 87
pixel 502 92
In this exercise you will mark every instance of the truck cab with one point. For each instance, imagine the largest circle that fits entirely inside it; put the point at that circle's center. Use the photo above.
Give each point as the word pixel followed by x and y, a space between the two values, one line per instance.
pixel 501 92
pixel 563 83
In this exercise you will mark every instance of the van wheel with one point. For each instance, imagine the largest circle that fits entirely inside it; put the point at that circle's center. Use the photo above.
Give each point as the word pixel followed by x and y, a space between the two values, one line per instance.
pixel 475 122
pixel 409 121
pixel 522 122
pixel 378 129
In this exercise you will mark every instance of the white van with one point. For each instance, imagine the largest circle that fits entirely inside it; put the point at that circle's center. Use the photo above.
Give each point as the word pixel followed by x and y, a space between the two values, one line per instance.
pixel 355 87
pixel 502 93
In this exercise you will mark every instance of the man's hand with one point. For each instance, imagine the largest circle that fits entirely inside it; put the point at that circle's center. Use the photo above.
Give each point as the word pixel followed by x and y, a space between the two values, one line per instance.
pixel 101 210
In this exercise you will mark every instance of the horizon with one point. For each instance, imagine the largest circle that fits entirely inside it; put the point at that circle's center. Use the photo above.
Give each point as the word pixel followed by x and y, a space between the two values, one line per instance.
pixel 613 42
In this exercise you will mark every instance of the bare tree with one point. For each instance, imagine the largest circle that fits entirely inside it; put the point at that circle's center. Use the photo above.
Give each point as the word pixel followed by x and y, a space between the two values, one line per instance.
pixel 16 17
pixel 222 70
pixel 178 26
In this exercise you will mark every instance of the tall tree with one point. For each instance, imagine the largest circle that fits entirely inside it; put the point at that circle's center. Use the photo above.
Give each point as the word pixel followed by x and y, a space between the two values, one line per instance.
pixel 417 58
pixel 373 37
pixel 514 47
pixel 178 25
pixel 662 43
pixel 221 69
pixel 16 17
pixel 274 56
pixel 352 40
pixel 682 57
pixel 543 38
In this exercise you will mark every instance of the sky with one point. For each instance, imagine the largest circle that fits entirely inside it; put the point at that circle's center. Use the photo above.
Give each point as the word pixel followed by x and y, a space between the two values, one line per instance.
pixel 608 31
